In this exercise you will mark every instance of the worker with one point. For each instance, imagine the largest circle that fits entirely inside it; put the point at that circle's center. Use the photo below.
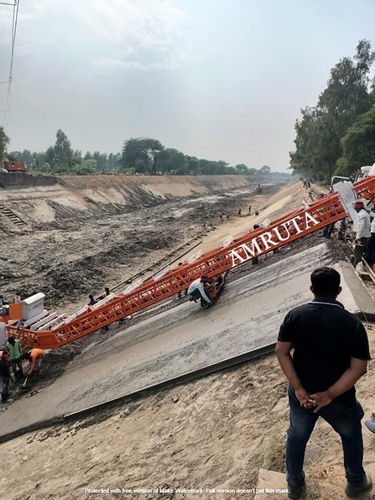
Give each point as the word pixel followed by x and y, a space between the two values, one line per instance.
pixel 15 352
pixel 92 300
pixel 197 290
pixel 330 355
pixel 362 232
pixel 249 209
pixel 35 357
pixel 342 229
pixel 179 295
pixel 239 212
pixel 4 379
pixel 370 250
pixel 328 230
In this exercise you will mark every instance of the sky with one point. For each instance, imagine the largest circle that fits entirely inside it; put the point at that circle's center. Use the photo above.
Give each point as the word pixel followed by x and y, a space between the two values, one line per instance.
pixel 217 79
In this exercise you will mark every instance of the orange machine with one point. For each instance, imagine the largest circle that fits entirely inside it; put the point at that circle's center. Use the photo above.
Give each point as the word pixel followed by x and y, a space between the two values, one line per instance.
pixel 14 166
pixel 282 231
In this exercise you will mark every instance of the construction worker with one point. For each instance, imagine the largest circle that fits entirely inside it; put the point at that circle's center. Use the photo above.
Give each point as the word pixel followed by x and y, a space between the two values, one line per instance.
pixel 370 250
pixel 362 232
pixel 4 378
pixel 92 300
pixel 197 290
pixel 179 295
pixel 35 357
pixel 15 352
pixel 330 355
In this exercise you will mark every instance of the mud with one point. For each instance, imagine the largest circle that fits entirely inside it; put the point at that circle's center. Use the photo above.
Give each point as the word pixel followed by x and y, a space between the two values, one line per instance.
pixel 76 251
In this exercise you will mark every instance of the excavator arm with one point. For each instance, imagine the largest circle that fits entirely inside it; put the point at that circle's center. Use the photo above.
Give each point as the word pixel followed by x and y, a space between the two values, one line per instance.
pixel 279 232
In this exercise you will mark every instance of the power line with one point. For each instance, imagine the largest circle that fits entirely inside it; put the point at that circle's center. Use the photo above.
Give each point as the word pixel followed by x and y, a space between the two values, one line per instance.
pixel 14 31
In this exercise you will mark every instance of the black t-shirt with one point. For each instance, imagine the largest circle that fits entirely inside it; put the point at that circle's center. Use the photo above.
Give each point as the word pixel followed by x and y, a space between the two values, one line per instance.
pixel 325 336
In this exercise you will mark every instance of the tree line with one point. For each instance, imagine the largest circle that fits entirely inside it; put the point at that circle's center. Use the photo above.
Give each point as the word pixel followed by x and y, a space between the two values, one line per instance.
pixel 337 136
pixel 140 155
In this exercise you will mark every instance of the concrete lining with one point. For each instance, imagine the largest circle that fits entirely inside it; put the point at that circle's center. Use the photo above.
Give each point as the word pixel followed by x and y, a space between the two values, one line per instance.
pixel 186 339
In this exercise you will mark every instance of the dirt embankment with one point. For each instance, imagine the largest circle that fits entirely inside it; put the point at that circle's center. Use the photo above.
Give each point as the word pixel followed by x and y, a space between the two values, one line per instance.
pixel 41 201
pixel 213 433
pixel 73 237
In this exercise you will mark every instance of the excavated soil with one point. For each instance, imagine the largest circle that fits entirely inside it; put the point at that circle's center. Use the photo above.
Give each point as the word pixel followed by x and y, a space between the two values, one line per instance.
pixel 67 245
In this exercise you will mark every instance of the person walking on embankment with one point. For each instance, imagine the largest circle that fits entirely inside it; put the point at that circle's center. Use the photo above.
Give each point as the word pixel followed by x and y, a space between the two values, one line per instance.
pixel 330 354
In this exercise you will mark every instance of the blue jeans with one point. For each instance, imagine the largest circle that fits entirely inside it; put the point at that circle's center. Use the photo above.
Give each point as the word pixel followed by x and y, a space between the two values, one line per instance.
pixel 345 418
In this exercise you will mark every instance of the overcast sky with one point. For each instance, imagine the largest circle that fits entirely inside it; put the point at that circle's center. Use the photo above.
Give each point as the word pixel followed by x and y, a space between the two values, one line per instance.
pixel 217 79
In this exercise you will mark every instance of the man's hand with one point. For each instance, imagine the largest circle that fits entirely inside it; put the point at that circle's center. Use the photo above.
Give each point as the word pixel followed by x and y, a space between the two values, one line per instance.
pixel 321 399
pixel 305 400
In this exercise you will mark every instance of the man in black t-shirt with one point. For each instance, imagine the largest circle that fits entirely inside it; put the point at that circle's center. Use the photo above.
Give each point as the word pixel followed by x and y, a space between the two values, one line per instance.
pixel 330 354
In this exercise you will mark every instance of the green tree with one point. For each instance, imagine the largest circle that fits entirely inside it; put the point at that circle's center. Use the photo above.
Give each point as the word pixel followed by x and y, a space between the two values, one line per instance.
pixel 4 141
pixel 171 161
pixel 192 165
pixel 61 156
pixel 141 154
pixel 265 170
pixel 358 144
pixel 319 132
pixel 242 169
pixel 87 166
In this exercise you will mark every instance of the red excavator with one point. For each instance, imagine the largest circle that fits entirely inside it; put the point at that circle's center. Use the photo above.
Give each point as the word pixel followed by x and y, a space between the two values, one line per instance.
pixel 35 326
pixel 14 166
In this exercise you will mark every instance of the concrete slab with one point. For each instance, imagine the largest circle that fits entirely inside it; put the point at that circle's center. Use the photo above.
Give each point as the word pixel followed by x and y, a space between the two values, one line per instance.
pixel 185 338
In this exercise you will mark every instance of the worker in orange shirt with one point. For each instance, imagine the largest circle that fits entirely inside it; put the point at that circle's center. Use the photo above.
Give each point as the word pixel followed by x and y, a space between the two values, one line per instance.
pixel 35 357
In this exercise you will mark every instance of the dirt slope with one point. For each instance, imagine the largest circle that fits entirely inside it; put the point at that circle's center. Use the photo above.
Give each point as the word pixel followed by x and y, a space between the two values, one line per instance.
pixel 213 433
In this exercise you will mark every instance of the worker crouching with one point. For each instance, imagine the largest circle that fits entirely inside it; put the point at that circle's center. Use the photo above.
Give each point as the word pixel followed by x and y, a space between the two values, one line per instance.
pixel 200 289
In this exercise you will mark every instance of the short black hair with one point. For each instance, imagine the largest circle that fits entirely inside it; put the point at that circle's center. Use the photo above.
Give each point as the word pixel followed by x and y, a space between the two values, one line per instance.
pixel 325 281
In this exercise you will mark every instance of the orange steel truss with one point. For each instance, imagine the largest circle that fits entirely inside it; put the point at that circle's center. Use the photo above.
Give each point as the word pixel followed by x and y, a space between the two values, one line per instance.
pixel 326 211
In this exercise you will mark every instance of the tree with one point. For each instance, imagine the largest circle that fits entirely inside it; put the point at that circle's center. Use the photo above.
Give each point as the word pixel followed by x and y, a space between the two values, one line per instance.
pixel 87 166
pixel 319 132
pixel 358 144
pixel 141 154
pixel 242 169
pixel 265 170
pixel 4 141
pixel 61 156
pixel 171 161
